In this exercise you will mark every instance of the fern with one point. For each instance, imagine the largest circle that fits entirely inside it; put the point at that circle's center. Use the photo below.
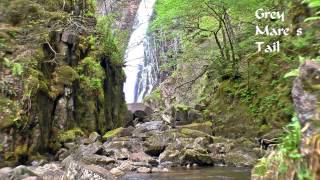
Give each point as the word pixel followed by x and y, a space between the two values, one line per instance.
pixel 17 69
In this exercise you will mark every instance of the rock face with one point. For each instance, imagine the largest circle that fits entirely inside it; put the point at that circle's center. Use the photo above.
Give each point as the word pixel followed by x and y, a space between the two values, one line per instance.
pixel 305 94
pixel 125 9
pixel 72 88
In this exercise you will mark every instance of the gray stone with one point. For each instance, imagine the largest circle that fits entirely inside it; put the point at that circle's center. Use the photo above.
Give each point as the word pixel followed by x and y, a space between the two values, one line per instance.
pixel 78 170
pixel 156 126
pixel 21 172
pixel 126 166
pixel 143 170
pixel 6 170
pixel 69 38
pixel 93 137
pixel 31 178
pixel 116 172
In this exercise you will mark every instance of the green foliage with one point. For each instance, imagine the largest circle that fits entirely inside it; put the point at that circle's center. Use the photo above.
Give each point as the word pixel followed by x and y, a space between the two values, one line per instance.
pixel 1 147
pixel 313 4
pixel 112 133
pixel 91 73
pixel 66 75
pixel 182 107
pixel 20 10
pixel 262 167
pixel 69 135
pixel 107 40
pixel 16 68
pixel 291 141
pixel 153 96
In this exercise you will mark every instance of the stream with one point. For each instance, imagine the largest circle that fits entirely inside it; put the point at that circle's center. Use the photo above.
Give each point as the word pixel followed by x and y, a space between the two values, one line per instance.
pixel 209 173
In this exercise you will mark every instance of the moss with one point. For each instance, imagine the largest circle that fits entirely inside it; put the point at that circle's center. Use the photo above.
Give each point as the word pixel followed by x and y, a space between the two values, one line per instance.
pixel 1 147
pixel 21 150
pixel 154 96
pixel 112 133
pixel 66 75
pixel 20 10
pixel 70 135
pixel 205 127
pixel 193 133
pixel 8 111
pixel 264 129
pixel 182 107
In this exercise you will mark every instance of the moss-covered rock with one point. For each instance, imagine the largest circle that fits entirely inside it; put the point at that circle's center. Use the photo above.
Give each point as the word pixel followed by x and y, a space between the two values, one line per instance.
pixel 8 112
pixel 66 75
pixel 112 133
pixel 193 133
pixel 205 127
pixel 70 135
pixel 193 156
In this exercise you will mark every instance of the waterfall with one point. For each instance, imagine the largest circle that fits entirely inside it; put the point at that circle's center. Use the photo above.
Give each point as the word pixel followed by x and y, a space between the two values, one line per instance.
pixel 139 81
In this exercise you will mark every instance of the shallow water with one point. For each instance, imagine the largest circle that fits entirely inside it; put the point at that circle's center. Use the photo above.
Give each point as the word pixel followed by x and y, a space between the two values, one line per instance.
pixel 212 173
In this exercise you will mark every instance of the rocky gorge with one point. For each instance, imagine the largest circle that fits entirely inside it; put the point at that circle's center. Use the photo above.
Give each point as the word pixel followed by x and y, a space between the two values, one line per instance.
pixel 149 147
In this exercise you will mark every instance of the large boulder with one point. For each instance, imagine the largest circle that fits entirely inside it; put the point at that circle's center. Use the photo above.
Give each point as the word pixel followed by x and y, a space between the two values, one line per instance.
pixel 143 157
pixel 78 170
pixel 149 127
pixel 205 127
pixel 48 171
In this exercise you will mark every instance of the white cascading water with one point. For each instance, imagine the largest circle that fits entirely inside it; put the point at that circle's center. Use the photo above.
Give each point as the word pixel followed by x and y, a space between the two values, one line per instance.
pixel 134 88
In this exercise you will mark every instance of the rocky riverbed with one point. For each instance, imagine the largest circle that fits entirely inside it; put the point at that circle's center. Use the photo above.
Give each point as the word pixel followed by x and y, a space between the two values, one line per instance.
pixel 149 147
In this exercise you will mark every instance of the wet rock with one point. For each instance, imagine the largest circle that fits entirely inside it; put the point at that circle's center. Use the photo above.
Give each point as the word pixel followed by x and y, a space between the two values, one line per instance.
pixel 240 158
pixel 141 164
pixel 78 170
pixel 200 157
pixel 116 172
pixel 170 156
pixel 144 170
pixel 158 170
